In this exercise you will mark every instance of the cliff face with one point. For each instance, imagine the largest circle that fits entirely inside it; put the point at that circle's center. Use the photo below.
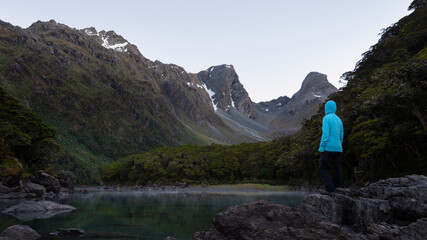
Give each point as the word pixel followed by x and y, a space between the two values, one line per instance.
pixel 227 91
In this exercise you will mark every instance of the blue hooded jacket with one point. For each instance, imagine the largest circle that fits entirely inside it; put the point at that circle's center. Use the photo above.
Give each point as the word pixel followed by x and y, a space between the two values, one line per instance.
pixel 332 130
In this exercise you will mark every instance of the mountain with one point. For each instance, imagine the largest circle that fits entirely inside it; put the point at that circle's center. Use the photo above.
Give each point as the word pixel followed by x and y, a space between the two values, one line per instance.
pixel 106 100
pixel 383 108
pixel 314 90
pixel 263 120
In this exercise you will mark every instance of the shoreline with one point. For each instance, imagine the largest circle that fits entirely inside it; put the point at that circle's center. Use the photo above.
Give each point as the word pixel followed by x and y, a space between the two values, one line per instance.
pixel 200 188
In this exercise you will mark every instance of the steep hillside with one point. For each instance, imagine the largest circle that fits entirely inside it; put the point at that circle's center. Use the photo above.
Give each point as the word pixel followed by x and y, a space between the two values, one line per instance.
pixel 105 99
pixel 101 99
pixel 191 104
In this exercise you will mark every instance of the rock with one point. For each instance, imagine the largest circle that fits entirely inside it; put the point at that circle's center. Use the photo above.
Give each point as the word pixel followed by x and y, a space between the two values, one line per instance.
pixel 395 201
pixel 183 184
pixel 66 180
pixel 70 232
pixel 47 180
pixel 12 181
pixel 264 220
pixel 19 232
pixel 37 189
pixel 29 210
pixel 13 195
pixel 389 209
pixel 171 238
pixel 5 189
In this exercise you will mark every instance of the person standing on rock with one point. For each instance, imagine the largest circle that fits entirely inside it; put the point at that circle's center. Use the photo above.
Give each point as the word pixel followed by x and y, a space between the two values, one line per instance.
pixel 331 148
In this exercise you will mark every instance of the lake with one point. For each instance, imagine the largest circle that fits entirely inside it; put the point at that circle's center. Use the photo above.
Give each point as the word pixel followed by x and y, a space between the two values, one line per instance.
pixel 149 214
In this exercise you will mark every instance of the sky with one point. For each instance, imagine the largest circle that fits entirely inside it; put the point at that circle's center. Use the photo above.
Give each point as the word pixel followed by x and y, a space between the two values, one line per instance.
pixel 272 44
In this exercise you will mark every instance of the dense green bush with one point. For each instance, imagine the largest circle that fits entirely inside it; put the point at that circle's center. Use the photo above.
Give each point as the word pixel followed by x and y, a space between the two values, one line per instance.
pixel 24 135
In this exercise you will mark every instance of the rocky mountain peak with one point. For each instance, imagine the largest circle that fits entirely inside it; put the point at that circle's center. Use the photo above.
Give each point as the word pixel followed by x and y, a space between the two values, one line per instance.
pixel 314 79
pixel 47 27
pixel 314 90
pixel 41 26
pixel 315 85
pixel 109 40
pixel 225 89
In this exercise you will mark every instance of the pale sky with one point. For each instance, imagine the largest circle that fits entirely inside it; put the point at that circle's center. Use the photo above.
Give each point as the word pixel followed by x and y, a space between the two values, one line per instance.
pixel 272 44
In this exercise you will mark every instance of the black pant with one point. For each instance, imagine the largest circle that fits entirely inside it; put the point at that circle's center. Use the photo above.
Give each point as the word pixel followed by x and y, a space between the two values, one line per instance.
pixel 328 161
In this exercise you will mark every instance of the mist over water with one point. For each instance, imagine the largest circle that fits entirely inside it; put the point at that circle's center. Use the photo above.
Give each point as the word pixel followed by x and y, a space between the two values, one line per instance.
pixel 148 214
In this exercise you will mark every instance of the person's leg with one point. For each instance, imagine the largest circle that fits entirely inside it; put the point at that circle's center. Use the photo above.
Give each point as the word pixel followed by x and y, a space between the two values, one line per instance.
pixel 338 178
pixel 324 166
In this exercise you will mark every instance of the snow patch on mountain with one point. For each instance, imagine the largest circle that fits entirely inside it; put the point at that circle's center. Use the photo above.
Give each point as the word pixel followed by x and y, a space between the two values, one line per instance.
pixel 90 33
pixel 232 101
pixel 211 96
pixel 190 84
pixel 119 47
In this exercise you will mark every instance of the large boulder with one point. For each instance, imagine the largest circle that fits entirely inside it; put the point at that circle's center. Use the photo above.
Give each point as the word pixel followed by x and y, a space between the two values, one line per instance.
pixel 29 210
pixel 389 209
pixel 46 180
pixel 37 189
pixel 264 220
pixel 19 232
pixel 66 180
pixel 400 201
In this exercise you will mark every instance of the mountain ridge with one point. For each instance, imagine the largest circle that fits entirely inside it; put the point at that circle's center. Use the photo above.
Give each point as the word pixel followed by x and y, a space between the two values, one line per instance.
pixel 107 100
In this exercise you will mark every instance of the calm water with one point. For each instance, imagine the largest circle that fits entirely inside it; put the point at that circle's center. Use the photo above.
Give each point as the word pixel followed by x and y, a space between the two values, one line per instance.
pixel 147 214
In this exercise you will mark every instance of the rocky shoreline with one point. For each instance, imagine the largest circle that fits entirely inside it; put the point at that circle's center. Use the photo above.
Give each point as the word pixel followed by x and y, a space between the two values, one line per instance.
pixel 41 184
pixel 394 208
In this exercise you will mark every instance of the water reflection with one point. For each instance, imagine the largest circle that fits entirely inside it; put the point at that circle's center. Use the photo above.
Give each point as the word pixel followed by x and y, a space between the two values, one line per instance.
pixel 148 214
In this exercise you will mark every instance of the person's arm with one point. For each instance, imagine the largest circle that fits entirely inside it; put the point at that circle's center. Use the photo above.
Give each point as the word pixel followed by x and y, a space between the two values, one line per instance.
pixel 342 133
pixel 325 135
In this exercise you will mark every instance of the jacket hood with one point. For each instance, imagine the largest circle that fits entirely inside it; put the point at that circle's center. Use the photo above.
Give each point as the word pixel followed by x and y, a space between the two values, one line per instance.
pixel 330 107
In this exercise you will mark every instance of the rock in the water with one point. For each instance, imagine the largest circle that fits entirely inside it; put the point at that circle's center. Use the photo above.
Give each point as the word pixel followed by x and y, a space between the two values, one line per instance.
pixel 19 232
pixel 70 232
pixel 47 180
pixel 29 210
pixel 37 189
pixel 389 209
pixel 66 180
pixel 264 220
pixel 171 238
